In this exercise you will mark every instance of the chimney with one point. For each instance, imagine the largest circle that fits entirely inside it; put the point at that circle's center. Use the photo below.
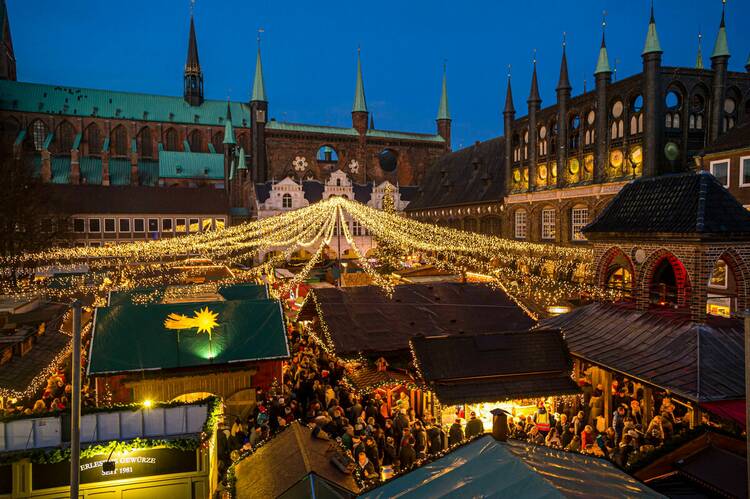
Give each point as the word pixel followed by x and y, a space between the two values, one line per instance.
pixel 499 425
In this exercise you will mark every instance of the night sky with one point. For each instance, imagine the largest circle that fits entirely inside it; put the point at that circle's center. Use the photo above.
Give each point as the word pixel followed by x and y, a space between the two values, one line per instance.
pixel 309 50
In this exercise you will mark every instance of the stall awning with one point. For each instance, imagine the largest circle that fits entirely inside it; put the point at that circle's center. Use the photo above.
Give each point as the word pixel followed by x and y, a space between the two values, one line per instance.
pixel 166 336
pixel 157 294
pixel 488 468
pixel 733 410
pixel 493 367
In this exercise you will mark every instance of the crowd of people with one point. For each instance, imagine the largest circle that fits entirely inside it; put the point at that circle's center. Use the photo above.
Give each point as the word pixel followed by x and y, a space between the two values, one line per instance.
pixel 583 427
pixel 374 441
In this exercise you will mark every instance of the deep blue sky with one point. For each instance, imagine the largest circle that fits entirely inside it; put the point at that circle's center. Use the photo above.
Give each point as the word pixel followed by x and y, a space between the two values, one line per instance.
pixel 309 50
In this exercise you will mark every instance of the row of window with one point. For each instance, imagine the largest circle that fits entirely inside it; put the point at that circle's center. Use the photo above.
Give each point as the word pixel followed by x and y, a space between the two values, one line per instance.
pixel 579 217
pixel 722 171
pixel 150 225
pixel 355 229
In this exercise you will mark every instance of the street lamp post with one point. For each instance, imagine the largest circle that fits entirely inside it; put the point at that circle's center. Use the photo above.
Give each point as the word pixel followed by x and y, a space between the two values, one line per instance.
pixel 75 406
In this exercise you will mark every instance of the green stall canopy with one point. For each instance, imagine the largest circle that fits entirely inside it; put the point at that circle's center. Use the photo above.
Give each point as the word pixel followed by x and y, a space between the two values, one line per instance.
pixel 155 294
pixel 131 338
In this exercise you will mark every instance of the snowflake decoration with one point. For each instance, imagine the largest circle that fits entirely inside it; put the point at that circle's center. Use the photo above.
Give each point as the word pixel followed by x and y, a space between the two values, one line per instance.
pixel 300 163
pixel 354 166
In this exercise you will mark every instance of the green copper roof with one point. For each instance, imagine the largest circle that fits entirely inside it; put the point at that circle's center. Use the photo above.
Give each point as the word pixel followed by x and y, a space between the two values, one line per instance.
pixel 360 104
pixel 721 47
pixel 242 165
pixel 385 134
pixel 699 55
pixel 91 170
pixel 652 40
pixel 602 64
pixel 135 338
pixel 259 88
pixel 228 129
pixel 443 110
pixel 176 164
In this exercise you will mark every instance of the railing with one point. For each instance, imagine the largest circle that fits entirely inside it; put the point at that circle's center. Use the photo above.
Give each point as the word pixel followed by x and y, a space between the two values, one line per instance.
pixel 124 424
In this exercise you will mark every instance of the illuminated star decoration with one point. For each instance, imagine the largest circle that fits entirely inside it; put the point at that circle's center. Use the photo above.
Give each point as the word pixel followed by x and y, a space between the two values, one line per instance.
pixel 204 320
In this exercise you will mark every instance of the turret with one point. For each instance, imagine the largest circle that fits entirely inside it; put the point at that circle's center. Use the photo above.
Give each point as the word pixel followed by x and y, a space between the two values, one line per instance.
pixel 7 57
pixel 652 100
pixel 509 114
pixel 229 145
pixel 444 114
pixel 699 55
pixel 258 119
pixel 193 76
pixel 534 102
pixel 563 97
pixel 359 108
pixel 719 65
pixel 602 79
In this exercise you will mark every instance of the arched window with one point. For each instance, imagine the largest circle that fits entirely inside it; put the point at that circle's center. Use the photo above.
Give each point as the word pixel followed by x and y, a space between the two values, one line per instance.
pixel 636 114
pixel 327 154
pixel 575 126
pixel 668 285
pixel 93 139
pixel 543 140
pixel 218 142
pixel 9 127
pixel 730 113
pixel 65 136
pixel 170 139
pixel 196 141
pixel 697 110
pixel 516 148
pixel 119 141
pixel 388 160
pixel 145 143
pixel 38 134
pixel 286 200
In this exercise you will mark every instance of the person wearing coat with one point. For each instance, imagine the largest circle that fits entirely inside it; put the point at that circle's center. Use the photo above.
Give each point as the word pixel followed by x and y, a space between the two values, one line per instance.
pixel 474 426
pixel 455 434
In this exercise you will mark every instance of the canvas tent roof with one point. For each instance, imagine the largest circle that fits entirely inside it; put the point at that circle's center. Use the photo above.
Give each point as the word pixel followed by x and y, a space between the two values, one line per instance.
pixel 157 293
pixel 495 366
pixel 364 319
pixel 290 457
pixel 488 468
pixel 131 338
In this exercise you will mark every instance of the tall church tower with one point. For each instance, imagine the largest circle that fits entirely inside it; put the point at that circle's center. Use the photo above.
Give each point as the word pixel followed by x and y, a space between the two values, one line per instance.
pixel 7 57
pixel 359 108
pixel 444 114
pixel 258 118
pixel 193 79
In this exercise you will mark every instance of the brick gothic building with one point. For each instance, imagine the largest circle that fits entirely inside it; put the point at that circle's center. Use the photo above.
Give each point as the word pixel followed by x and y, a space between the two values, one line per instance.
pixel 557 167
pixel 109 138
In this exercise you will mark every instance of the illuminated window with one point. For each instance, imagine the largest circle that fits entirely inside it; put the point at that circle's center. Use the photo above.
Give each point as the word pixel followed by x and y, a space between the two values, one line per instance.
pixel 180 225
pixel 720 170
pixel 719 277
pixel 620 279
pixel 219 223
pixel 356 228
pixel 745 171
pixel 286 201
pixel 579 217
pixel 38 134
pixel 194 225
pixel 548 223
pixel 520 225
pixel 207 224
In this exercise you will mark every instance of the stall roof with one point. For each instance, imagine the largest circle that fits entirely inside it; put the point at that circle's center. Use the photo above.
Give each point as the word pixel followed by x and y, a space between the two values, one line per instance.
pixel 135 338
pixel 700 362
pixel 364 319
pixel 156 293
pixel 275 468
pixel 488 468
pixel 495 366
pixel 367 376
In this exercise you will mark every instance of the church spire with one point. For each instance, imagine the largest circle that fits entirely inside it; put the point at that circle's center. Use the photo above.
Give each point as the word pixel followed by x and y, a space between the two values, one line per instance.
pixel 564 81
pixel 360 103
pixel 721 47
pixel 652 39
pixel 699 55
pixel 602 64
pixel 443 110
pixel 228 129
pixel 259 87
pixel 193 76
pixel 534 93
pixel 509 109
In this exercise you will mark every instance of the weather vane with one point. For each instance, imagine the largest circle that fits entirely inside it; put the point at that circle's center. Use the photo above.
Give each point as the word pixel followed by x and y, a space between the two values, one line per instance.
pixel 509 72
pixel 564 35
pixel 192 7
pixel 260 30
pixel 534 56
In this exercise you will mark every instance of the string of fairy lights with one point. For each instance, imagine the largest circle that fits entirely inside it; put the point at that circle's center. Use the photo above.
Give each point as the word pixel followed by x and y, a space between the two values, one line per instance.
pixel 544 274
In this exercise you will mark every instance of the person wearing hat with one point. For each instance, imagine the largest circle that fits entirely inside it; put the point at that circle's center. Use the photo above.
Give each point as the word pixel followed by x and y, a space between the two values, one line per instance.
pixel 474 426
